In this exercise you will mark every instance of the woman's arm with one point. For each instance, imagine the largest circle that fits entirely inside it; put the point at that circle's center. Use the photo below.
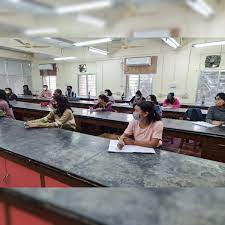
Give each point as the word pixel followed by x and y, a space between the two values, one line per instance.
pixel 154 143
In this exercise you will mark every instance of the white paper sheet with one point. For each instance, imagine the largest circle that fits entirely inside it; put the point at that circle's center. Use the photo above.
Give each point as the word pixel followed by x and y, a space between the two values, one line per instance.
pixel 204 124
pixel 129 148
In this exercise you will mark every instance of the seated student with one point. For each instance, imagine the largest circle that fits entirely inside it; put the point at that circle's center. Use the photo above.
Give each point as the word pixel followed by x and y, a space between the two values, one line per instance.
pixel 171 101
pixel 69 92
pixel 61 116
pixel 108 93
pixel 10 95
pixel 146 129
pixel 216 114
pixel 46 93
pixel 103 104
pixel 57 92
pixel 5 107
pixel 153 99
pixel 138 98
pixel 26 90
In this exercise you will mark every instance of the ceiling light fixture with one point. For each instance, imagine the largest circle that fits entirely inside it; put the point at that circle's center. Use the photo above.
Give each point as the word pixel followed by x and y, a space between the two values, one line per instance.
pixel 31 32
pixel 93 42
pixel 99 51
pixel 201 7
pixel 91 20
pixel 208 44
pixel 171 42
pixel 84 6
pixel 65 58
pixel 151 34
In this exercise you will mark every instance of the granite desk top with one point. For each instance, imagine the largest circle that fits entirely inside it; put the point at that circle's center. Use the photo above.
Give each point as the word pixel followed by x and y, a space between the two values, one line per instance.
pixel 169 124
pixel 86 156
pixel 132 206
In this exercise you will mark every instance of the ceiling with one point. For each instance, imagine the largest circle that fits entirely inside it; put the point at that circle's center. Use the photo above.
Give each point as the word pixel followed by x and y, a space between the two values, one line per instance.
pixel 120 20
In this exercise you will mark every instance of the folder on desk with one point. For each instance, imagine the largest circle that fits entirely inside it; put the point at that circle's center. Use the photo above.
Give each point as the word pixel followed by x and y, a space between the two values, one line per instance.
pixel 204 124
pixel 129 148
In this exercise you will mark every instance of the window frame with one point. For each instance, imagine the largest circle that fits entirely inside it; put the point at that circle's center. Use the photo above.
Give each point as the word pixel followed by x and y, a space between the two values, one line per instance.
pixel 49 86
pixel 87 87
pixel 139 83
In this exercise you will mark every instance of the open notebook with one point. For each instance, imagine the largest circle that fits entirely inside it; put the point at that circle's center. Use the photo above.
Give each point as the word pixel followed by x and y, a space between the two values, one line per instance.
pixel 129 148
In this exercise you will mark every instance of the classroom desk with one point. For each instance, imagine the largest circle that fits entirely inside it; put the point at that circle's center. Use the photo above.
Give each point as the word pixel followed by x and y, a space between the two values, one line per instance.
pixel 37 99
pixel 115 206
pixel 119 107
pixel 212 139
pixel 59 158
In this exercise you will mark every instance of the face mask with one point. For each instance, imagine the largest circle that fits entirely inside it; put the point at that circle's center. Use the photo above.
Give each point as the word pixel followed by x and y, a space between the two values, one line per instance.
pixel 136 116
pixel 54 106
pixel 106 94
pixel 68 90
pixel 137 97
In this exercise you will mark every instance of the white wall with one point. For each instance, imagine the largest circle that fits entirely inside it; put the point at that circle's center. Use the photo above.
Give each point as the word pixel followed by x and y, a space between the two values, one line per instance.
pixel 178 70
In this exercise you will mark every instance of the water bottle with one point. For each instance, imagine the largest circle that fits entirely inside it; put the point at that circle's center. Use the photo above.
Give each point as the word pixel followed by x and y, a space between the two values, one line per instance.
pixel 122 97
pixel 89 94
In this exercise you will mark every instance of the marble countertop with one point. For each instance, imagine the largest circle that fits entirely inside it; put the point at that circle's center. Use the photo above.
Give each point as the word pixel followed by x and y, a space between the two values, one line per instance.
pixel 133 206
pixel 86 156
pixel 170 124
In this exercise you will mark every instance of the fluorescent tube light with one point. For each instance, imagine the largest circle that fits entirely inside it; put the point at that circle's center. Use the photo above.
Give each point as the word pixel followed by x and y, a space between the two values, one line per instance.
pixel 93 42
pixel 151 34
pixel 201 7
pixel 91 20
pixel 14 1
pixel 64 58
pixel 171 42
pixel 40 31
pixel 84 6
pixel 96 50
pixel 208 44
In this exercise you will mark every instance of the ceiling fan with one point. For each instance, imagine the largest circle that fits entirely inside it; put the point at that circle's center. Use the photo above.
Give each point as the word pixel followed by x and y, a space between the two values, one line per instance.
pixel 29 45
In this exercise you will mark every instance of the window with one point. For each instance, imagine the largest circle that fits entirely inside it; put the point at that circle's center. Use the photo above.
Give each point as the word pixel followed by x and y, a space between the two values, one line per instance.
pixel 142 82
pixel 86 84
pixel 210 83
pixel 50 81
pixel 14 74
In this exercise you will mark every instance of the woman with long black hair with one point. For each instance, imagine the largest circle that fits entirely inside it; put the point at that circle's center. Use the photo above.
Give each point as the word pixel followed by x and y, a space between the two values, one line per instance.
pixel 145 130
pixel 5 107
pixel 60 117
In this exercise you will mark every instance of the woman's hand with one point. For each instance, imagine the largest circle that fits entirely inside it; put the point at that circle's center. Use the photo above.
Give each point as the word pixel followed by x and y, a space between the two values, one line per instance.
pixel 29 124
pixel 217 123
pixel 128 141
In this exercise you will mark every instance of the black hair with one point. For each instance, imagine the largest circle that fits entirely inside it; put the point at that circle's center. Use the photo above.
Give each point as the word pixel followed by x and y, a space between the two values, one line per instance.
pixel 104 98
pixel 69 86
pixel 26 86
pixel 62 104
pixel 221 95
pixel 109 92
pixel 45 85
pixel 154 99
pixel 147 106
pixel 58 91
pixel 171 101
pixel 9 90
pixel 3 96
pixel 138 93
